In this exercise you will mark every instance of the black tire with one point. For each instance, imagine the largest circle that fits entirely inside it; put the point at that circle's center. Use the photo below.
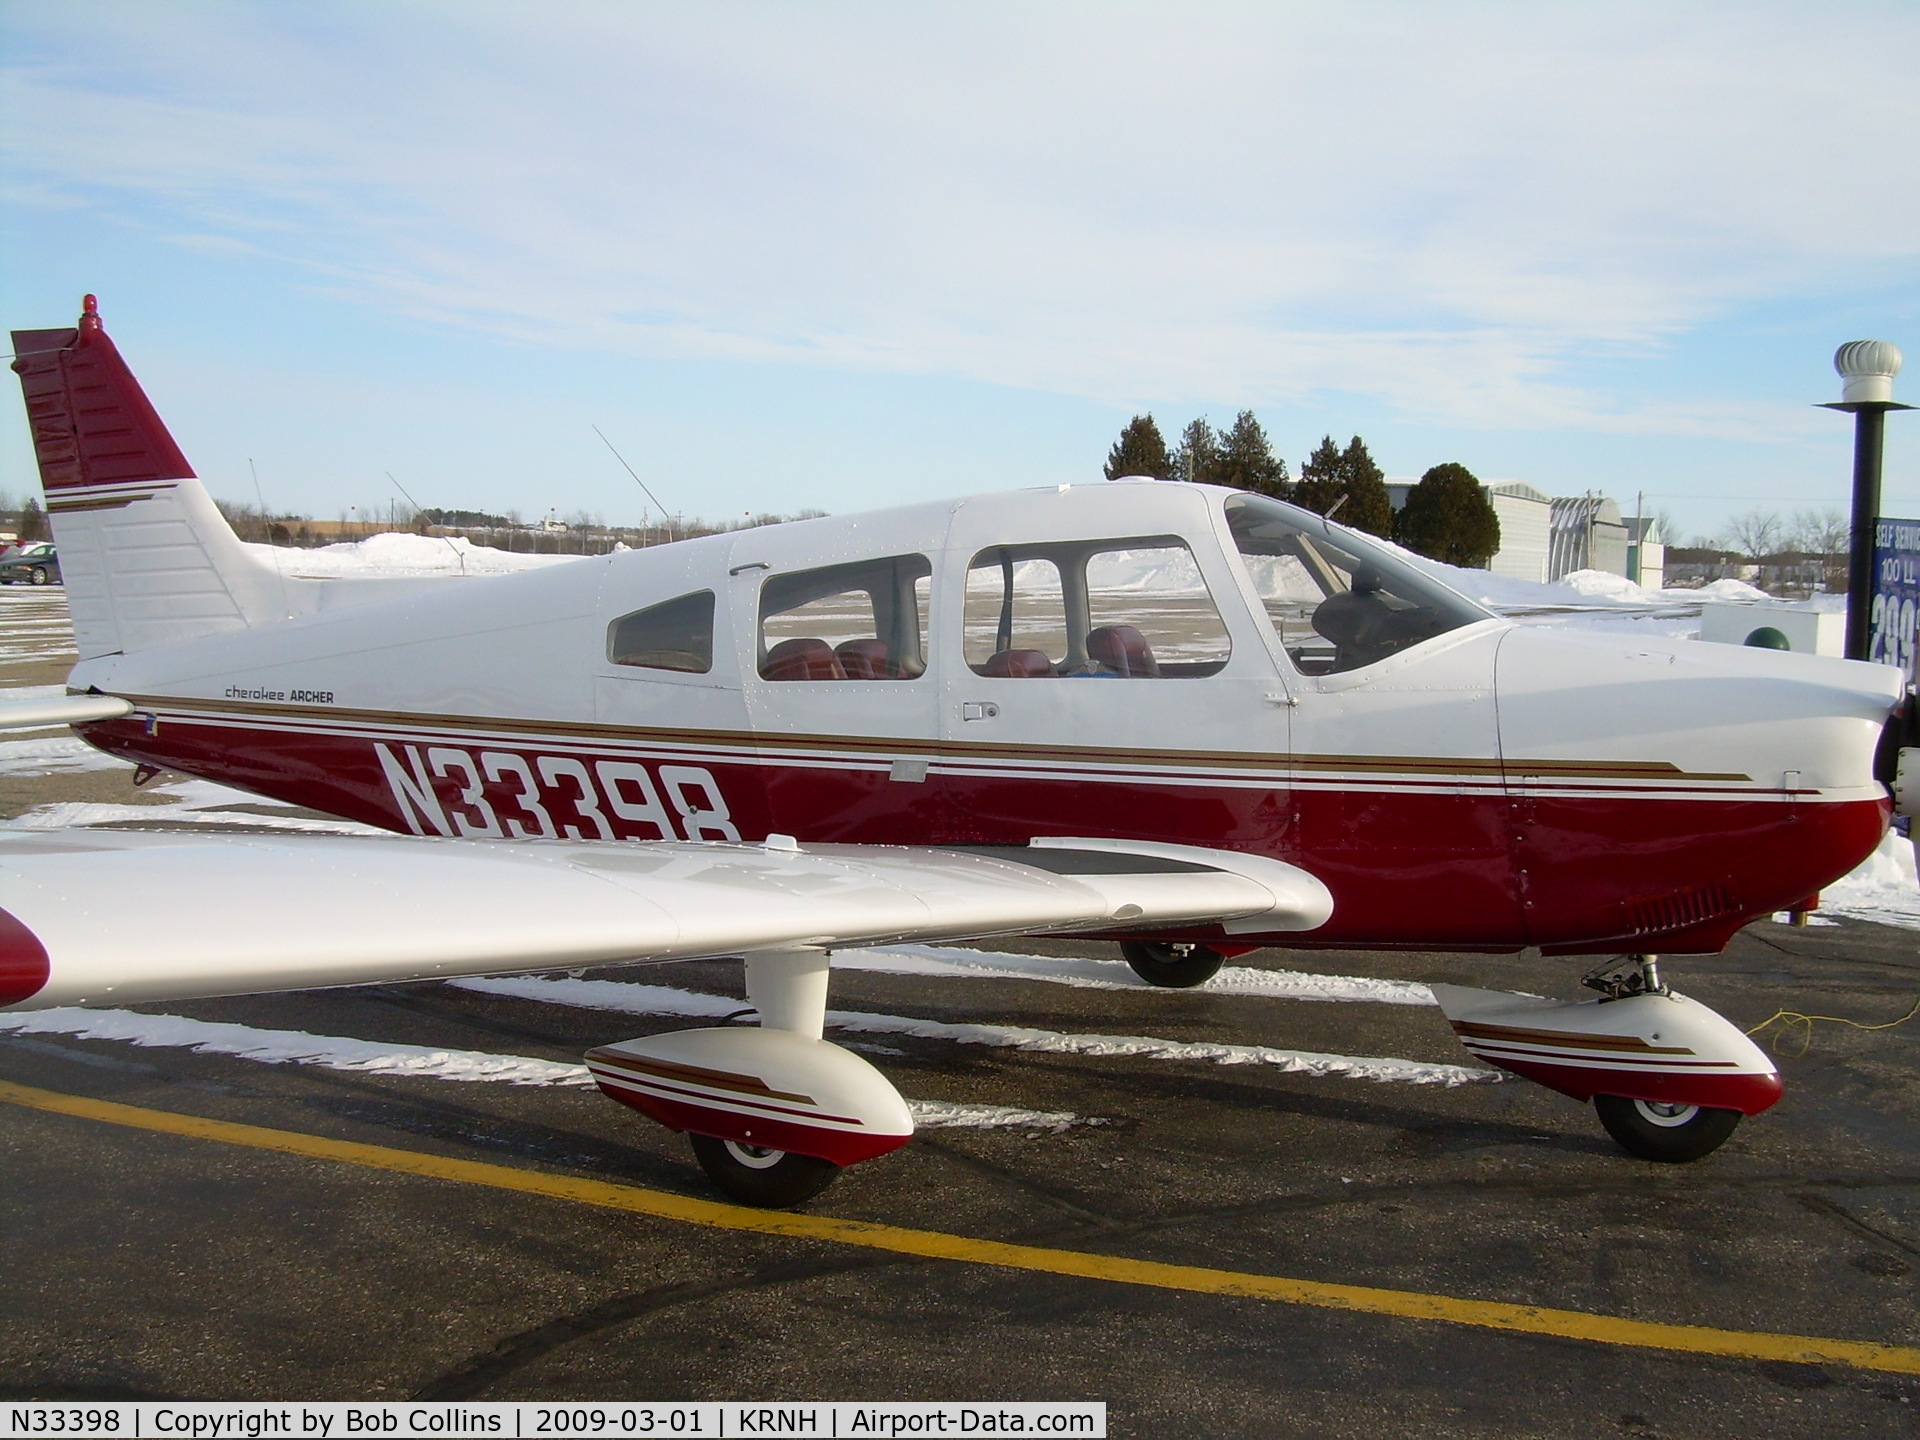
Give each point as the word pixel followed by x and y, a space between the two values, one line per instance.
pixel 1670 1134
pixel 771 1179
pixel 1174 967
pixel 37 576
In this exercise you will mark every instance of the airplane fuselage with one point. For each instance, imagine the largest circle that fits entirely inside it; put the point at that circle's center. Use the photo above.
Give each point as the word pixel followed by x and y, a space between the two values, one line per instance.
pixel 1128 660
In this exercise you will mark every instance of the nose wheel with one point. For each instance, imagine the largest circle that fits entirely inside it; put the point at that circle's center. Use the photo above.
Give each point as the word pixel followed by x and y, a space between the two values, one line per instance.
pixel 1670 1134
pixel 1175 967
pixel 753 1175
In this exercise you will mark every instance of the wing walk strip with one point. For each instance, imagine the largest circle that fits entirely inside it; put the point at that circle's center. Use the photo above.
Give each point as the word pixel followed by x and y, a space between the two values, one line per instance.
pixel 935 1245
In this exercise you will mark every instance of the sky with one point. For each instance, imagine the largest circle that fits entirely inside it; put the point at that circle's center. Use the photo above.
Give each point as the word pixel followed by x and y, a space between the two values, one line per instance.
pixel 842 255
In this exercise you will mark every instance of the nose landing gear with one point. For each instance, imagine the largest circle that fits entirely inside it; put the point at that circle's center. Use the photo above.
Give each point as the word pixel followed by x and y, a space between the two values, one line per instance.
pixel 1663 1131
pixel 1668 1077
pixel 1627 976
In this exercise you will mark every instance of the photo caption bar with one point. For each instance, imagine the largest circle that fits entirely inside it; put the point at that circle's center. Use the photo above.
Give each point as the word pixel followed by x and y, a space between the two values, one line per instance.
pixel 515 1420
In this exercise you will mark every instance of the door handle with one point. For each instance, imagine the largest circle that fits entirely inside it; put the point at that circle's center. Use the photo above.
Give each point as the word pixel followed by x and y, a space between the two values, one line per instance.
pixel 978 710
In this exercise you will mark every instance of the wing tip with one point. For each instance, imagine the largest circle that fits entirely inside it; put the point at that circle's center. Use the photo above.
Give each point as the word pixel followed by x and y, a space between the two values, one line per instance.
pixel 24 967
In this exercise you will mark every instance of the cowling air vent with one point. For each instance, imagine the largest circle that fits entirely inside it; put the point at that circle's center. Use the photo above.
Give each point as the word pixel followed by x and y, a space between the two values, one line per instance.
pixel 1679 910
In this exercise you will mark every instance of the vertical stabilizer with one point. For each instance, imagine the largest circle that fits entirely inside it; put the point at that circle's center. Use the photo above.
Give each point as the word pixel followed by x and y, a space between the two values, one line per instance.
pixel 145 555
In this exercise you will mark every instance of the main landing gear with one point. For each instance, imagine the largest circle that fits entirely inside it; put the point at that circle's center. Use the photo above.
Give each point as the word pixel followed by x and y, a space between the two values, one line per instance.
pixel 1176 967
pixel 754 1175
pixel 774 1112
pixel 1668 1077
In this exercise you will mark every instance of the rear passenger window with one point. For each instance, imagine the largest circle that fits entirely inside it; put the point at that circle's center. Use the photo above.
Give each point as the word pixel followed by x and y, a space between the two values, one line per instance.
pixel 673 635
pixel 864 621
pixel 1105 609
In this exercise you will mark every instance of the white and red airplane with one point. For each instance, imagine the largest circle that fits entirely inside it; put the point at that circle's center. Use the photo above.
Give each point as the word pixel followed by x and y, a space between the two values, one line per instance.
pixel 1194 720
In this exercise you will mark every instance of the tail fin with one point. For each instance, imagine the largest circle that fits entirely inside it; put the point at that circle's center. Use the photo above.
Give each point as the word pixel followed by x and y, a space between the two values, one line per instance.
pixel 145 555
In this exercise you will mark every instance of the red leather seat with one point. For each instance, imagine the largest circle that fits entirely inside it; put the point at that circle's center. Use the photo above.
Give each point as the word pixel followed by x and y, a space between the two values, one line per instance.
pixel 864 659
pixel 1019 664
pixel 802 660
pixel 1122 649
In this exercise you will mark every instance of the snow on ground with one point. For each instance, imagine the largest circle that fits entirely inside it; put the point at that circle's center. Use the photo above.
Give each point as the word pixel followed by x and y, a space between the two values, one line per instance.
pixel 946 1115
pixel 189 801
pixel 398 554
pixel 950 961
pixel 53 754
pixel 336 1052
pixel 293 1047
pixel 630 999
pixel 1884 889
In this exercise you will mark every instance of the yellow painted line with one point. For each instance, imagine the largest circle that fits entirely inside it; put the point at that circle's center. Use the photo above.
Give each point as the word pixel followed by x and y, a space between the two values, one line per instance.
pixel 934 1245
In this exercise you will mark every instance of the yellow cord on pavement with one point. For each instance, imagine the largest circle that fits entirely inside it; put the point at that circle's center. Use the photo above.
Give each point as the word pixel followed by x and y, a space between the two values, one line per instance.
pixel 1794 1023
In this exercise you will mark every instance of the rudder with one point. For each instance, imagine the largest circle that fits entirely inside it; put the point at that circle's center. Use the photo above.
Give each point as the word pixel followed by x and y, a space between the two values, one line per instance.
pixel 145 555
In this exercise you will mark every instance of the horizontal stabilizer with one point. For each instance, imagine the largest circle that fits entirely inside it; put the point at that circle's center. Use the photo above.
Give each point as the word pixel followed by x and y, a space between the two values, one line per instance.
pixel 117 917
pixel 62 710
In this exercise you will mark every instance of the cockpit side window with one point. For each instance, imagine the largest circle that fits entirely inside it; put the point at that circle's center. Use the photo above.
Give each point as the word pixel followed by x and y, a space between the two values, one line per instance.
pixel 863 621
pixel 1338 601
pixel 676 634
pixel 1105 609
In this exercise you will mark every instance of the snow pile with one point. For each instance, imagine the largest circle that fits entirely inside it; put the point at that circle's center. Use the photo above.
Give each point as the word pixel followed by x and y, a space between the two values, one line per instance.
pixel 397 554
pixel 1605 585
pixel 1884 888
pixel 1730 589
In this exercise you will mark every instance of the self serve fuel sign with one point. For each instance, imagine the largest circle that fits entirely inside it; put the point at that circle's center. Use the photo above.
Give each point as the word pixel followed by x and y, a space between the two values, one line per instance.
pixel 1896 594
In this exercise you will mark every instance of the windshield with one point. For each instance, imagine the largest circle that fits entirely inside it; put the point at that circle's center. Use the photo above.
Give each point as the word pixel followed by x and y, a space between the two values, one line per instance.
pixel 1337 600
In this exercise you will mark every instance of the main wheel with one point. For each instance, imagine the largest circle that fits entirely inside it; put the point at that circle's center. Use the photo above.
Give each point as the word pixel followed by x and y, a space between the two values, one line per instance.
pixel 38 575
pixel 1672 1134
pixel 772 1179
pixel 1177 967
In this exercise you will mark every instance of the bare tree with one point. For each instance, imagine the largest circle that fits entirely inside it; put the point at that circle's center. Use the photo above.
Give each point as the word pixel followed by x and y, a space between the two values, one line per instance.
pixel 1757 533
pixel 1820 532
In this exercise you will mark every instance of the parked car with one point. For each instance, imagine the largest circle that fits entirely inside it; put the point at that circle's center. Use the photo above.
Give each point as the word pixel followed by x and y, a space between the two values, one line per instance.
pixel 37 564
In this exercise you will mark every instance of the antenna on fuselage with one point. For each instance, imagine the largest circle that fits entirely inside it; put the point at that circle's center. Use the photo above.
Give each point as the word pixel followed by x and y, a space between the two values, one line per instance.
pixel 1326 520
pixel 267 521
pixel 664 521
pixel 420 511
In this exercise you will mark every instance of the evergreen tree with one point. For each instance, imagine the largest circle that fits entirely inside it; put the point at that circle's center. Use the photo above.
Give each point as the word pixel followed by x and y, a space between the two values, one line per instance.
pixel 33 521
pixel 1198 456
pixel 1370 509
pixel 1321 480
pixel 1140 450
pixel 1449 517
pixel 1247 461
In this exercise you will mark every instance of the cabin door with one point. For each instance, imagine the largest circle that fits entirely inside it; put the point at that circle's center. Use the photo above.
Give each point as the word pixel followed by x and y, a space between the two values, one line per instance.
pixel 1106 681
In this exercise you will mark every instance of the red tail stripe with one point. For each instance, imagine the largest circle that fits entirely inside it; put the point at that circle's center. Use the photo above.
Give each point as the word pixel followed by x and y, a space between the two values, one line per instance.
pixel 92 424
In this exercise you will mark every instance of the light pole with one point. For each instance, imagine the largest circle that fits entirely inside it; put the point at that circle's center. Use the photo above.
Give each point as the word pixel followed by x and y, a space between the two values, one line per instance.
pixel 1866 369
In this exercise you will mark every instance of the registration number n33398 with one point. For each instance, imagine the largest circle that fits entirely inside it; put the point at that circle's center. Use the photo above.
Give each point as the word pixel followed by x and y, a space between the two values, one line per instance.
pixel 506 795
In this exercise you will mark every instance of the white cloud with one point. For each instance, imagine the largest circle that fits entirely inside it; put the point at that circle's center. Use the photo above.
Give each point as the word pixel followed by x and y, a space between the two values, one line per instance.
pixel 1439 207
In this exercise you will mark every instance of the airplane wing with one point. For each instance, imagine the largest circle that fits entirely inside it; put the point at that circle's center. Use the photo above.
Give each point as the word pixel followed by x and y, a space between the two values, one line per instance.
pixel 92 917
